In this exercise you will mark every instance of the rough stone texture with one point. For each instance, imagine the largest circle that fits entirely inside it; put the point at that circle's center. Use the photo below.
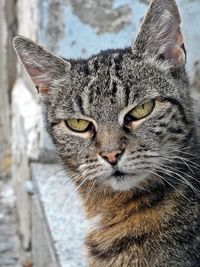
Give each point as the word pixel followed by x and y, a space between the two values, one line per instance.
pixel 42 247
pixel 63 213
pixel 5 159
pixel 11 254
pixel 28 17
pixel 9 243
pixel 55 24
pixel 107 17
pixel 12 24
pixel 25 147
pixel 90 26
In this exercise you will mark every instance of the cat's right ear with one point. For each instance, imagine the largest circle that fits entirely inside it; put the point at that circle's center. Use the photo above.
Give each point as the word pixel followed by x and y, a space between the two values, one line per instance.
pixel 42 66
pixel 160 34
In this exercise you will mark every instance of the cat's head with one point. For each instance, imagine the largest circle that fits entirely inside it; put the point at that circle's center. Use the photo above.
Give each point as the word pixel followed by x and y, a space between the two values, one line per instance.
pixel 122 115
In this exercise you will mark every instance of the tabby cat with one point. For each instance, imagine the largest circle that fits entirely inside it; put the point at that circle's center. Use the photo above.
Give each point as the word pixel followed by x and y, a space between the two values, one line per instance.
pixel 123 124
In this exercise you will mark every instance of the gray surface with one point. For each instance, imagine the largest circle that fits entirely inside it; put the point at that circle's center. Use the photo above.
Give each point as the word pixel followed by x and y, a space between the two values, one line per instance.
pixel 63 212
pixel 11 254
pixel 4 91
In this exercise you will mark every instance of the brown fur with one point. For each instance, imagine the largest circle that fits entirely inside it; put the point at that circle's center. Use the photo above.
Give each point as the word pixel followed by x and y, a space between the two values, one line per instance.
pixel 122 214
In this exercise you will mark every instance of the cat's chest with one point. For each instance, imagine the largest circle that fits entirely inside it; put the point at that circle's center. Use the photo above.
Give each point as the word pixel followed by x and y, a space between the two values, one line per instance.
pixel 116 235
pixel 113 220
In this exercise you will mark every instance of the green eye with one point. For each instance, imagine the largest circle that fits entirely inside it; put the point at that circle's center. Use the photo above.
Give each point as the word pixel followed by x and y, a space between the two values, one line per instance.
pixel 78 125
pixel 141 111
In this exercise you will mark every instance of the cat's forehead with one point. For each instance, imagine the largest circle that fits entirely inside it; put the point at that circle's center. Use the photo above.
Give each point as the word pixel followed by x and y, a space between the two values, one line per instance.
pixel 105 84
pixel 117 77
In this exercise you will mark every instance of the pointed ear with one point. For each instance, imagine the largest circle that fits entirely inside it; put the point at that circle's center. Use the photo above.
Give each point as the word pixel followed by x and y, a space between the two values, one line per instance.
pixel 42 66
pixel 160 34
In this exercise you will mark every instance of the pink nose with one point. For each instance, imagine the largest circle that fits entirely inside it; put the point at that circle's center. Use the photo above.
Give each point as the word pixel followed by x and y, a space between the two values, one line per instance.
pixel 112 157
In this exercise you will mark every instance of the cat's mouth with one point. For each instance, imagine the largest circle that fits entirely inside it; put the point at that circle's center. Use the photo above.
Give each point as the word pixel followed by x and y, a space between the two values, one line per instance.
pixel 119 174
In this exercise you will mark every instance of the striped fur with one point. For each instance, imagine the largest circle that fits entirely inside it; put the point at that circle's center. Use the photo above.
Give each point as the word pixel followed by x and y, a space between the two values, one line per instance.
pixel 150 215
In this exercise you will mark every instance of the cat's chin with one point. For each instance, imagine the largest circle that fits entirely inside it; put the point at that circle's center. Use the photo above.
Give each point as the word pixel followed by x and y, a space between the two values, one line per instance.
pixel 124 182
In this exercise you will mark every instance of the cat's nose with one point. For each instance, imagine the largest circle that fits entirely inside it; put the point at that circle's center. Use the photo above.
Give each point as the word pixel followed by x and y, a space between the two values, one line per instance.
pixel 112 157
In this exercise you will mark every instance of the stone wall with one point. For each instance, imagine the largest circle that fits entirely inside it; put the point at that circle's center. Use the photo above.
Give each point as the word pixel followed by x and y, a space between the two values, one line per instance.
pixel 71 28
pixel 7 78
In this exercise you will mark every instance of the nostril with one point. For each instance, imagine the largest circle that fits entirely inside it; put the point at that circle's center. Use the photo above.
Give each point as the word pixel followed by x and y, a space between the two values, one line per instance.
pixel 104 157
pixel 118 155
pixel 112 157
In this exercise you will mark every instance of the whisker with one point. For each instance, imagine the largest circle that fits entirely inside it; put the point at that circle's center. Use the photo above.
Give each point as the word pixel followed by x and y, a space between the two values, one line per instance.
pixel 76 189
pixel 50 178
pixel 162 178
pixel 92 186
pixel 182 179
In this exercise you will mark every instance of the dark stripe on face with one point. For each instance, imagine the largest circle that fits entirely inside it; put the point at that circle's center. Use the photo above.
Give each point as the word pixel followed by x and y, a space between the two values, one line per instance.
pixel 127 93
pixel 189 136
pixel 86 69
pixel 79 102
pixel 116 247
pixel 114 89
pixel 95 92
pixel 175 130
pixel 118 63
pixel 180 108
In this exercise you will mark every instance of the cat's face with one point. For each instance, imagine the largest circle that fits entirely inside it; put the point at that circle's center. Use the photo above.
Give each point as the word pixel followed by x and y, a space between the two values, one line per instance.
pixel 120 116
pixel 118 141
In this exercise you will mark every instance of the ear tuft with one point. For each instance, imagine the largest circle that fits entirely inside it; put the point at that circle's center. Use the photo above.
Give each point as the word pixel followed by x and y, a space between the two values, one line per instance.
pixel 160 34
pixel 42 66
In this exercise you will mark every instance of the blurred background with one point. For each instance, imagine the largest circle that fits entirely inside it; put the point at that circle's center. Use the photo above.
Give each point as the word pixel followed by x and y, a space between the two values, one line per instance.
pixel 33 230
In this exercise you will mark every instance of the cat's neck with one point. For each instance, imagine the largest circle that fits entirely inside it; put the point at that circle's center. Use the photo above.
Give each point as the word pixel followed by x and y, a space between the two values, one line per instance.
pixel 105 207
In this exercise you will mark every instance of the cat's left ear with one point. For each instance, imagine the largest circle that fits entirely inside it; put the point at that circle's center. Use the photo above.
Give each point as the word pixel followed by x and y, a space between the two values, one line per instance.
pixel 160 35
pixel 43 67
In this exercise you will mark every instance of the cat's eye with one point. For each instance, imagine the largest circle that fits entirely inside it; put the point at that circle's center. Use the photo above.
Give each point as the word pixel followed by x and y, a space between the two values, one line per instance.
pixel 78 125
pixel 139 112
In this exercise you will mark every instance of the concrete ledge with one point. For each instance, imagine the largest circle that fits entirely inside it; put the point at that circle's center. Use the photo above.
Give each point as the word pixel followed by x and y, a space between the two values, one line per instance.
pixel 42 247
pixel 58 221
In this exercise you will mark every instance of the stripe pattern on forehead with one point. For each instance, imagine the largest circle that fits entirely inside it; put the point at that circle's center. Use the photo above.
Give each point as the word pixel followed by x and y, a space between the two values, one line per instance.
pixel 116 86
pixel 78 105
pixel 94 67
pixel 105 81
pixel 86 92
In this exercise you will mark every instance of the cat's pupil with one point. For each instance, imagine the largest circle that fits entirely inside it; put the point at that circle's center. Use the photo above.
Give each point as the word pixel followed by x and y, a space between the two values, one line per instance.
pixel 128 119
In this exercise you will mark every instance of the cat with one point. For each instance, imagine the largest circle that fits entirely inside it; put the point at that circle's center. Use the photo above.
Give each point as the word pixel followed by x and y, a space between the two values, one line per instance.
pixel 123 124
